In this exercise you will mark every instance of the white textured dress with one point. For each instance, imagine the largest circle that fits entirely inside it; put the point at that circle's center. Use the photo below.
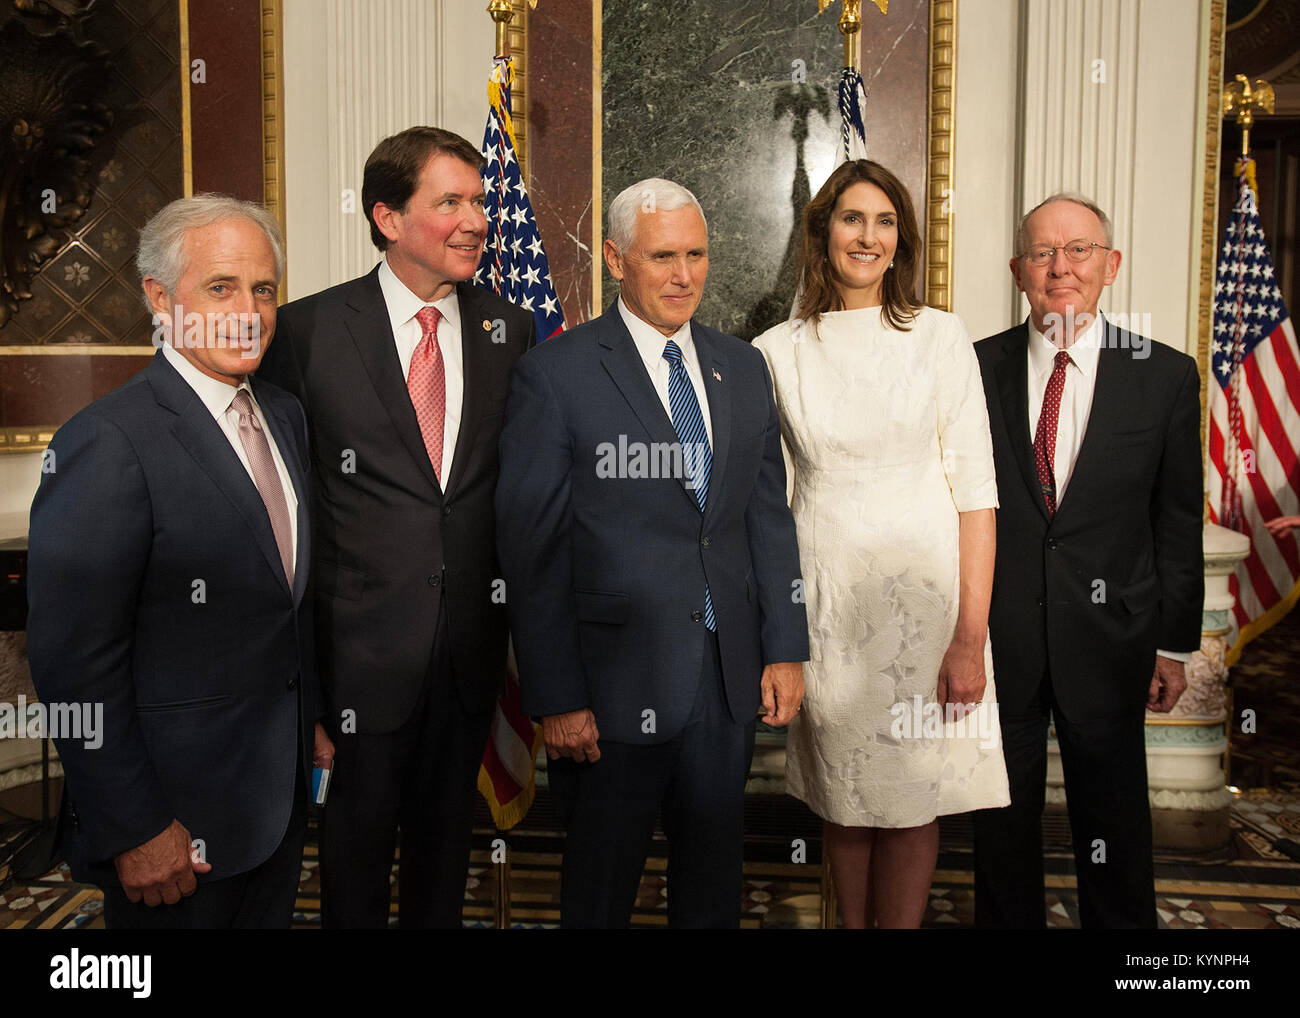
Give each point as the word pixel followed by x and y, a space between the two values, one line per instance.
pixel 889 436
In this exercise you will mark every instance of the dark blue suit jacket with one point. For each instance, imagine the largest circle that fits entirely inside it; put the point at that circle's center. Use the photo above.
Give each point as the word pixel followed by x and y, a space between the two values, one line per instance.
pixel 605 575
pixel 209 690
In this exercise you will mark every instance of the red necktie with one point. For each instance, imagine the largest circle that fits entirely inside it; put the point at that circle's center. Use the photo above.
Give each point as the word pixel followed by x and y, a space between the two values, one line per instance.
pixel 1045 435
pixel 427 384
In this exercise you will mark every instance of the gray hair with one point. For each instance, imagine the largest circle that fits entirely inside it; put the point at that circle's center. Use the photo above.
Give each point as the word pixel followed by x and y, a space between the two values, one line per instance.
pixel 654 194
pixel 162 239
pixel 1022 231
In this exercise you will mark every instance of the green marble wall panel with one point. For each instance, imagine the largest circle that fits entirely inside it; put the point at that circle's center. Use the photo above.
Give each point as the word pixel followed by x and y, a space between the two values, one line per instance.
pixel 704 93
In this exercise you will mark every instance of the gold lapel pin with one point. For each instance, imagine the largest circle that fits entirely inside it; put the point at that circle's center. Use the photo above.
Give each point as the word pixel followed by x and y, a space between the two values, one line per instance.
pixel 487 326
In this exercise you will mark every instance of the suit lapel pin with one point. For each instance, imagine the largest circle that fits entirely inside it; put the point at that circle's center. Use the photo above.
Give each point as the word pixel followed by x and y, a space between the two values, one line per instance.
pixel 487 326
pixel 717 376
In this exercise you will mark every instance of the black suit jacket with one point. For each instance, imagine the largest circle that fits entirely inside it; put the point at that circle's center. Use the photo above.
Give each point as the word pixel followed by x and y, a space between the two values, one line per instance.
pixel 156 589
pixel 607 574
pixel 389 541
pixel 1089 595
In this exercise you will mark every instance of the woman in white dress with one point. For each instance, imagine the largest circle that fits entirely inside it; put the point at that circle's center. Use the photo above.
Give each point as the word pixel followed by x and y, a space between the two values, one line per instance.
pixel 884 418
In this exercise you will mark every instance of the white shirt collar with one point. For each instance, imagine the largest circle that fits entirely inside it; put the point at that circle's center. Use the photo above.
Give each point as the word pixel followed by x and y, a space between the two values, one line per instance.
pixel 650 342
pixel 1084 351
pixel 403 304
pixel 214 394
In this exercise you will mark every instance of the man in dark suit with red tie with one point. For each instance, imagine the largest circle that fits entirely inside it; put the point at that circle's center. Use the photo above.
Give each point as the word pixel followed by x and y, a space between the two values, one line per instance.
pixel 1098 584
pixel 403 374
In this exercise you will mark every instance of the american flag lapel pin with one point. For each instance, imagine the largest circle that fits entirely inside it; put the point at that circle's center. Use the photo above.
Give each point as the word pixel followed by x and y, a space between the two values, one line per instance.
pixel 717 376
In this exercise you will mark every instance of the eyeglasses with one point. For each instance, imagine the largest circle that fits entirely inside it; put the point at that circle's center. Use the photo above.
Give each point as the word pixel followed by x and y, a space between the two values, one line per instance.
pixel 1075 250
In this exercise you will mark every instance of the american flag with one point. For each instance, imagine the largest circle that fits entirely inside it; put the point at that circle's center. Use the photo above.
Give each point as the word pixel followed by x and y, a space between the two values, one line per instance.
pixel 514 263
pixel 514 266
pixel 1254 427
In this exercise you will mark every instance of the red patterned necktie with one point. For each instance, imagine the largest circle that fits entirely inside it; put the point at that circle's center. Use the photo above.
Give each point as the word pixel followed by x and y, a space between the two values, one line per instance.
pixel 427 383
pixel 1045 435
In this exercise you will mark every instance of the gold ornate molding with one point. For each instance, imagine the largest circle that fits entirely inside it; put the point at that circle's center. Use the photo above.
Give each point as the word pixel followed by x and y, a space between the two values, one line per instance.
pixel 272 21
pixel 597 167
pixel 28 439
pixel 1210 204
pixel 518 36
pixel 938 213
pixel 187 125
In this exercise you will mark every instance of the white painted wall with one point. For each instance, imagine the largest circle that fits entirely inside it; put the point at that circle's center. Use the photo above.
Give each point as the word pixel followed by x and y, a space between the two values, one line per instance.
pixel 1098 96
pixel 985 154
pixel 20 473
pixel 357 71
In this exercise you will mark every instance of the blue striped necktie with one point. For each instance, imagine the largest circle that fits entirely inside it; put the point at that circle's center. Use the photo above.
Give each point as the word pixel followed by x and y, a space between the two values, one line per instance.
pixel 697 457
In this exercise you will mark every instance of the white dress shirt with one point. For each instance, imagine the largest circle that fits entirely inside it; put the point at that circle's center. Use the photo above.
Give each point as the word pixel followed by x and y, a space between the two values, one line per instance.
pixel 403 306
pixel 1076 403
pixel 650 343
pixel 217 397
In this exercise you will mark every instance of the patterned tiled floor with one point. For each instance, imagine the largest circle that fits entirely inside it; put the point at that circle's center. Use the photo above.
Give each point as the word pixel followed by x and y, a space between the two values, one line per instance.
pixel 1258 893
pixel 1255 884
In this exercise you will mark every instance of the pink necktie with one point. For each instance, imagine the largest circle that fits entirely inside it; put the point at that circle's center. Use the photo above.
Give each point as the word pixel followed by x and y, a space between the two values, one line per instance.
pixel 1045 435
pixel 427 384
pixel 266 477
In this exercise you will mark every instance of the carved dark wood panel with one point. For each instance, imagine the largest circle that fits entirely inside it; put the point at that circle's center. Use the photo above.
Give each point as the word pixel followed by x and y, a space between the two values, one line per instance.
pixel 90 137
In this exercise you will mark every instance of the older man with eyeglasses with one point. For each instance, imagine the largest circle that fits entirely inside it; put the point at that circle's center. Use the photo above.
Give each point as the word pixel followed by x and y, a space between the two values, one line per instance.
pixel 1098 584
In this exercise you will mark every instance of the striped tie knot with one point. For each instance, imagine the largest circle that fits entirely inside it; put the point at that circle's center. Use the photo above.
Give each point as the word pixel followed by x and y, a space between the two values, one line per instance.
pixel 673 353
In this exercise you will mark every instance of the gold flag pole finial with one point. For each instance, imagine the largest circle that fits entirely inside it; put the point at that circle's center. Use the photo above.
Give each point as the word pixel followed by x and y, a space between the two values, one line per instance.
pixel 851 25
pixel 1243 100
pixel 501 12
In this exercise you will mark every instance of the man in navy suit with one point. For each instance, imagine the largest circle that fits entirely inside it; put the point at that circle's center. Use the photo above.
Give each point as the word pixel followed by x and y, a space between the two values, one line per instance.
pixel 168 565
pixel 652 573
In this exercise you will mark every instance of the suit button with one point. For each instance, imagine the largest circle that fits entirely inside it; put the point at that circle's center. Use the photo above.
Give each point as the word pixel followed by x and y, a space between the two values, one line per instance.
pixel 704 542
pixel 697 616
pixel 434 581
pixel 446 510
pixel 1042 603
pixel 1051 543
pixel 293 683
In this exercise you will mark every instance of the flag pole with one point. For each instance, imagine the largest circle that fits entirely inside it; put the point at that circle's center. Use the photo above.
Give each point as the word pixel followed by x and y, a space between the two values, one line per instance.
pixel 851 29
pixel 501 12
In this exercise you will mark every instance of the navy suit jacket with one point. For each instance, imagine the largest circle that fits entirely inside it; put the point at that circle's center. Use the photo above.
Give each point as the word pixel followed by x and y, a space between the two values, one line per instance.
pixel 605 575
pixel 1088 595
pixel 156 589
